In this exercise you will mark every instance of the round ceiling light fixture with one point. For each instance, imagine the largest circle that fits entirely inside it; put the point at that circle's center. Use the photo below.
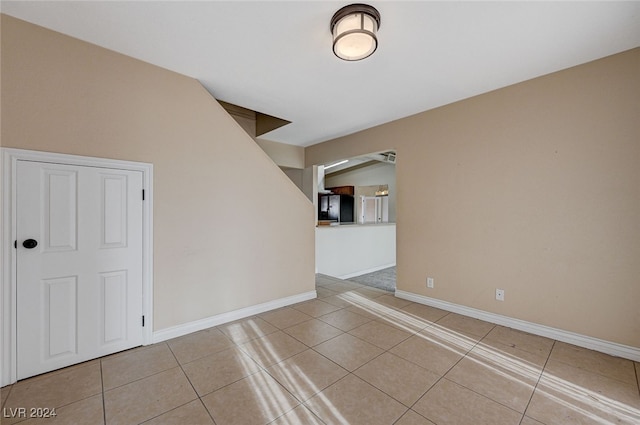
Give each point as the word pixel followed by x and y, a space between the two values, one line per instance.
pixel 354 29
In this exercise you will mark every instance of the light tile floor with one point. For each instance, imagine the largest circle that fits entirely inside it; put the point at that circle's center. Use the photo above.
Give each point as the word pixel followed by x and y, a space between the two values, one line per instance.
pixel 355 355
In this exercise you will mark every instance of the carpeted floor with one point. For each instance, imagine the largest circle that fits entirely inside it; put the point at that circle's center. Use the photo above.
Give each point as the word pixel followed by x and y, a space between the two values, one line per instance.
pixel 383 279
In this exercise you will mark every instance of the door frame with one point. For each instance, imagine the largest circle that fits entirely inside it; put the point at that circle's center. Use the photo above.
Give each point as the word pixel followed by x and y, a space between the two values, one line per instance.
pixel 8 294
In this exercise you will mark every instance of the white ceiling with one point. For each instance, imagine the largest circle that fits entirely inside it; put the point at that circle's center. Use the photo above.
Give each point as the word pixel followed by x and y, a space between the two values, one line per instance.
pixel 276 57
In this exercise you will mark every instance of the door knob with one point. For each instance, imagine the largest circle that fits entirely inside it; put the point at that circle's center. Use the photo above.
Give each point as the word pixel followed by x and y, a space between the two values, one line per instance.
pixel 30 243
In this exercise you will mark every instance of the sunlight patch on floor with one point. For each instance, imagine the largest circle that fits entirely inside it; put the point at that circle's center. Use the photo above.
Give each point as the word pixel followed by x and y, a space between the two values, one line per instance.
pixel 502 363
pixel 586 403
pixel 269 401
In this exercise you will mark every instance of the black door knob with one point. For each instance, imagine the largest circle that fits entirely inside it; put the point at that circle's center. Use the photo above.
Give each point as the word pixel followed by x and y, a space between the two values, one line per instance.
pixel 30 243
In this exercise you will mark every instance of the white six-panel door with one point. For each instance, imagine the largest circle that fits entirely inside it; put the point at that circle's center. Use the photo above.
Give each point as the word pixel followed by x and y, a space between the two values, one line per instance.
pixel 79 290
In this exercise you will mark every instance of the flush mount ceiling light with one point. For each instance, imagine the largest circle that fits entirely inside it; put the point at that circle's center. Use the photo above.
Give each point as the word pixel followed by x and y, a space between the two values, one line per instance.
pixel 354 29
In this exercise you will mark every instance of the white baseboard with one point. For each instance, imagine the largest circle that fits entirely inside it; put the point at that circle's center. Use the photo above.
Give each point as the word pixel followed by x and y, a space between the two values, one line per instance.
pixel 219 319
pixel 361 272
pixel 608 347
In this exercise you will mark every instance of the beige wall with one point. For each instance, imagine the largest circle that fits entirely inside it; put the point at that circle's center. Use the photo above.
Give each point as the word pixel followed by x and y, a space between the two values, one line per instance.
pixel 534 188
pixel 295 175
pixel 217 248
pixel 284 155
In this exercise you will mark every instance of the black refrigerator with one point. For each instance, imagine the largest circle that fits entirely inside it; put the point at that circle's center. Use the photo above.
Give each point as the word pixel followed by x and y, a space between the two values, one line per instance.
pixel 336 208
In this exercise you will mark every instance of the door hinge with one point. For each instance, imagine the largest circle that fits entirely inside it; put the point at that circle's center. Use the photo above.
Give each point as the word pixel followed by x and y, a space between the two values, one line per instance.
pixel 143 194
pixel 143 321
pixel 15 244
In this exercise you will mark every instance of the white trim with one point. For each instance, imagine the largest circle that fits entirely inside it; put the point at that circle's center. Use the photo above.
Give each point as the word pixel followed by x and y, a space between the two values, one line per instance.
pixel 219 319
pixel 361 272
pixel 608 347
pixel 8 325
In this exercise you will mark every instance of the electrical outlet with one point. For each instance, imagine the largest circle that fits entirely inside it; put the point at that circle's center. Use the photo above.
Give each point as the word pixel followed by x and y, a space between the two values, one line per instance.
pixel 429 282
pixel 500 294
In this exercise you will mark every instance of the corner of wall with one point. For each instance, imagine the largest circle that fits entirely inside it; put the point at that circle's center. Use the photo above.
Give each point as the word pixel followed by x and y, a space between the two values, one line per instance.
pixel 220 241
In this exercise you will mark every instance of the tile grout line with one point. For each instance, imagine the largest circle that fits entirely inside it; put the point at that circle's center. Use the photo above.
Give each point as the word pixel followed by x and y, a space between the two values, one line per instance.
pixel 258 365
pixel 144 377
pixel 300 402
pixel 416 364
pixel 104 407
pixel 472 390
pixel 594 372
pixel 190 383
pixel 7 397
pixel 449 370
pixel 389 351
pixel 266 371
pixel 170 410
pixel 495 401
pixel 380 389
pixel 312 348
pixel 58 372
pixel 538 382
pixel 636 367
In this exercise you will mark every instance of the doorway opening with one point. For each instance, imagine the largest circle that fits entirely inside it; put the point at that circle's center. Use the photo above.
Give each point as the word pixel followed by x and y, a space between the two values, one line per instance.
pixel 360 247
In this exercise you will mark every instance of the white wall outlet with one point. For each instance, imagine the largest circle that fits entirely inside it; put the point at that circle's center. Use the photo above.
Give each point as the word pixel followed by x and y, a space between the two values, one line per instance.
pixel 429 282
pixel 500 294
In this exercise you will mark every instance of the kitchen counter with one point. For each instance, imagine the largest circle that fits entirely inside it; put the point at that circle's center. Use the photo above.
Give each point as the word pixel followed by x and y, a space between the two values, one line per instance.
pixel 336 224
pixel 347 250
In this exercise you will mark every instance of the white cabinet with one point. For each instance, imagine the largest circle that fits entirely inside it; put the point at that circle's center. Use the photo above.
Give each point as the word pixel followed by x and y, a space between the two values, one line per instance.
pixel 374 209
